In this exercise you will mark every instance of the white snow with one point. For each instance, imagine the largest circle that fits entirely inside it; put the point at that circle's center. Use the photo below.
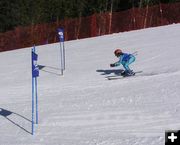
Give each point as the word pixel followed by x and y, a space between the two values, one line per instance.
pixel 83 107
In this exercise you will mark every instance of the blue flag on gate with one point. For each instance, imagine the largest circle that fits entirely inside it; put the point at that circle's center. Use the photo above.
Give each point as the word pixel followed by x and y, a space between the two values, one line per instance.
pixel 61 34
pixel 35 68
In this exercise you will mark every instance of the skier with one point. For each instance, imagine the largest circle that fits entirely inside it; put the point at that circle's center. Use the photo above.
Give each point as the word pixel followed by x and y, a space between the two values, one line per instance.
pixel 125 59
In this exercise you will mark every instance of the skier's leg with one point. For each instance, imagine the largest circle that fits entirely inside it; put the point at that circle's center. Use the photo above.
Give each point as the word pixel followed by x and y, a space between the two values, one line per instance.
pixel 131 60
pixel 126 65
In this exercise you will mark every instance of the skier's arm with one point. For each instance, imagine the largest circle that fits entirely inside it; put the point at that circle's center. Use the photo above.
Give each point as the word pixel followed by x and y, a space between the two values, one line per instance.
pixel 116 63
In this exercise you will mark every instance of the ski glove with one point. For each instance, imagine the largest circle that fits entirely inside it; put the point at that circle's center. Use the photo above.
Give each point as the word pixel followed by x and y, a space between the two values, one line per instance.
pixel 112 65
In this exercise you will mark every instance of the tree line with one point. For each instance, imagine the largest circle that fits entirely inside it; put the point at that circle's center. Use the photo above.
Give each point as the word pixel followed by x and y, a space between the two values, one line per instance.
pixel 15 13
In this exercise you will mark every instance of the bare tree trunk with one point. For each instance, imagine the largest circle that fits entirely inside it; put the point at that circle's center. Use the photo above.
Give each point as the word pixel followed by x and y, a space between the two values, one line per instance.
pixel 160 9
pixel 134 19
pixel 145 20
pixel 110 17
pixel 79 27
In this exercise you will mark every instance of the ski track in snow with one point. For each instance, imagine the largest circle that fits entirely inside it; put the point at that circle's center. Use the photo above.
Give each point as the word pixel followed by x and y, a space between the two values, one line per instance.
pixel 83 107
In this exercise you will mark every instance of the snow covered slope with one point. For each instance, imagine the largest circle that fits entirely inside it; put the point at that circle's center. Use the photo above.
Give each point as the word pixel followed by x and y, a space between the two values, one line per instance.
pixel 83 107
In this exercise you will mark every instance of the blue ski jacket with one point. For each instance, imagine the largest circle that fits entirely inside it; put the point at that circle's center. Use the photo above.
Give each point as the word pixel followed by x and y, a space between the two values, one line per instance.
pixel 125 59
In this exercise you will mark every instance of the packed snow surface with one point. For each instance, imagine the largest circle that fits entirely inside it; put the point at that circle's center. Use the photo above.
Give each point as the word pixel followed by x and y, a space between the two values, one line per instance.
pixel 83 107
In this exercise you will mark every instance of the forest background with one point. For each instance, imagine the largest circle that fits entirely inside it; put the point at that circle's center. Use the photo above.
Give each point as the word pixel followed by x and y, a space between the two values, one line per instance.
pixel 16 14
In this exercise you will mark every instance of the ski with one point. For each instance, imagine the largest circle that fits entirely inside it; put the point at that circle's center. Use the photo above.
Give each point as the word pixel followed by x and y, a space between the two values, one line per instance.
pixel 121 76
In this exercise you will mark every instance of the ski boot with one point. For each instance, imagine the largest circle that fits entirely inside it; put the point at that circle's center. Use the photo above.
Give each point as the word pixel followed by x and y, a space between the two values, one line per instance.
pixel 128 73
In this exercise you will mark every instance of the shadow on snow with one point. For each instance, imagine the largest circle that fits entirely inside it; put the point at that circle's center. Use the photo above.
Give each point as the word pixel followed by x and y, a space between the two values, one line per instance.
pixel 49 69
pixel 6 113
pixel 110 71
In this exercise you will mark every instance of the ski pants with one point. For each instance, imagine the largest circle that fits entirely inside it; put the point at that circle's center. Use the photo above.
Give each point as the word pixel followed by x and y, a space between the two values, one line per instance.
pixel 128 62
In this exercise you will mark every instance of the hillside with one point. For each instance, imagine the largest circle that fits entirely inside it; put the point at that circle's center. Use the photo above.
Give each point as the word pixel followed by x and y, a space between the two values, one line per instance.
pixel 83 107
